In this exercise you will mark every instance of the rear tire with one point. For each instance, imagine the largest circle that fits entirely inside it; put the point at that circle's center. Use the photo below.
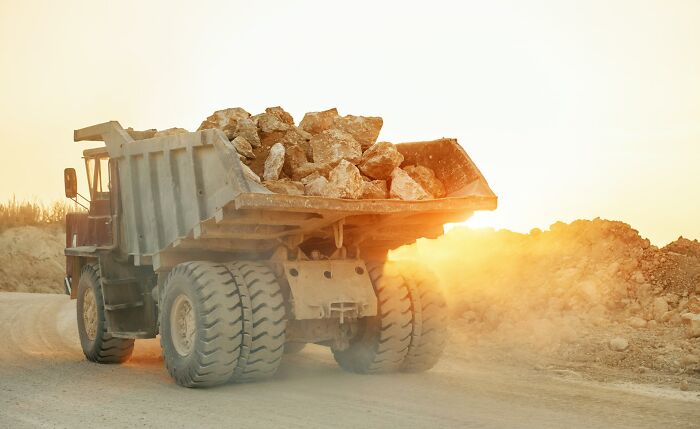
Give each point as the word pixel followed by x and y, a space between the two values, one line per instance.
pixel 382 341
pixel 429 323
pixel 97 344
pixel 201 324
pixel 265 321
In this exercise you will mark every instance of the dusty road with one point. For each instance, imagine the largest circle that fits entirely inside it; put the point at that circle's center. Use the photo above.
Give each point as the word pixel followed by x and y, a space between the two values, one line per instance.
pixel 45 382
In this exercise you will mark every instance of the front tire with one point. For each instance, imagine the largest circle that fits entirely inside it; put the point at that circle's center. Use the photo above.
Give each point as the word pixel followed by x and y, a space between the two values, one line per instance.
pixel 97 344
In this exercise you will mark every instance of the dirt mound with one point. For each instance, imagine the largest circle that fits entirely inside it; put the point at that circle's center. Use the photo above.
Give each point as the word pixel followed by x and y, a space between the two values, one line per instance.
pixel 590 294
pixel 31 259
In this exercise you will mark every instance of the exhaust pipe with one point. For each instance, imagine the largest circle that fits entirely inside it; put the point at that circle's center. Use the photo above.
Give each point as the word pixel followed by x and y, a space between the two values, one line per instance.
pixel 67 287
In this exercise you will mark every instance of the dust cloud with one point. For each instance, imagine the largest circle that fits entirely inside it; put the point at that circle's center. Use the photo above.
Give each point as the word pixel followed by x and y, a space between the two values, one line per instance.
pixel 589 295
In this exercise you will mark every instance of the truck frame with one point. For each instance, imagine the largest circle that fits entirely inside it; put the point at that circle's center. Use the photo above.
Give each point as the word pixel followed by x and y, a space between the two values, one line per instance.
pixel 178 241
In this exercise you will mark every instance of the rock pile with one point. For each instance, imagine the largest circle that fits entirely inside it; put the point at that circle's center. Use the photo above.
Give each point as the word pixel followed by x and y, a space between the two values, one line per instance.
pixel 593 292
pixel 326 155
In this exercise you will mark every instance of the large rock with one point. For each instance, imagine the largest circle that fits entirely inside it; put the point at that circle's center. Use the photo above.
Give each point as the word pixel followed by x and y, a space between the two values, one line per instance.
pixel 310 177
pixel 344 181
pixel 374 190
pixel 225 120
pixel 309 168
pixel 427 179
pixel 274 163
pixel 295 157
pixel 365 129
pixel 281 114
pixel 269 123
pixel 246 128
pixel 332 146
pixel 299 137
pixel 250 174
pixel 405 188
pixel 692 321
pixel 618 344
pixel 316 186
pixel 170 132
pixel 285 186
pixel 243 147
pixel 380 160
pixel 317 122
pixel 296 135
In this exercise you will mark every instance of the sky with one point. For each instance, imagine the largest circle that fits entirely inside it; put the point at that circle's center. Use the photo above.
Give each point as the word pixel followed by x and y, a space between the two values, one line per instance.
pixel 570 109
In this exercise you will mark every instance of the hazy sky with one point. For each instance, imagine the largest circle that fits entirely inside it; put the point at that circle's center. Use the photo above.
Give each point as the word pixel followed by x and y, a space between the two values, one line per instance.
pixel 570 109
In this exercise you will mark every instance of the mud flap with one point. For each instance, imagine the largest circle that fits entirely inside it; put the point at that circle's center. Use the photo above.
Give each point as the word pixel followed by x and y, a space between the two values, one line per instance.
pixel 330 289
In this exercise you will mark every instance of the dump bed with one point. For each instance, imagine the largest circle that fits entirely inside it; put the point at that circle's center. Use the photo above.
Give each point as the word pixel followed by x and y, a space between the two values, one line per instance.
pixel 188 193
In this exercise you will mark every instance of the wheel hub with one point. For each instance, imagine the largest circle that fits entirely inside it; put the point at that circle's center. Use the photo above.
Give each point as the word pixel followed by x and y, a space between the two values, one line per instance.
pixel 182 325
pixel 90 314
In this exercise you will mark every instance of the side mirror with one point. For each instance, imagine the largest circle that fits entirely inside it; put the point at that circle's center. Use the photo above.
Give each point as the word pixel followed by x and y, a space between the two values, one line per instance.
pixel 71 183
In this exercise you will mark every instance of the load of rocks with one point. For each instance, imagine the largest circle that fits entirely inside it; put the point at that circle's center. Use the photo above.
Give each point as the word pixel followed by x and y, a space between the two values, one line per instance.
pixel 326 155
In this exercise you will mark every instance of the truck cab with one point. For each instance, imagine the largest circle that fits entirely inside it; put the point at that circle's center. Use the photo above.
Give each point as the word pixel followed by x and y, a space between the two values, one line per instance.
pixel 89 229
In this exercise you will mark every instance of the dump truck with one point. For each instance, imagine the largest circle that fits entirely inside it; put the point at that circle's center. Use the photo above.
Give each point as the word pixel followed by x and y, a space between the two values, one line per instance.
pixel 177 241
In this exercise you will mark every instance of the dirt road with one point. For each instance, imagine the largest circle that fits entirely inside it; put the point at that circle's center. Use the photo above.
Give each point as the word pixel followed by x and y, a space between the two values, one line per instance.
pixel 45 382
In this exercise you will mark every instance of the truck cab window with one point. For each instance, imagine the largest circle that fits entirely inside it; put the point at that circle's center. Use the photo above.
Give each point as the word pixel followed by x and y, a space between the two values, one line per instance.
pixel 98 177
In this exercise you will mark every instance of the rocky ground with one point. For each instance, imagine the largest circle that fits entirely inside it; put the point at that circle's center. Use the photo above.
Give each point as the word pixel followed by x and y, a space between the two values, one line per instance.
pixel 586 299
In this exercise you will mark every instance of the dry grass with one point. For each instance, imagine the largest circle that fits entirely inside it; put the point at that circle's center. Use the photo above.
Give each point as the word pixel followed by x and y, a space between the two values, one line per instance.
pixel 15 213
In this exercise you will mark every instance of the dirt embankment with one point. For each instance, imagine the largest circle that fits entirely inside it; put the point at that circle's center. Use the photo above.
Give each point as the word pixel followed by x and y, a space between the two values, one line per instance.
pixel 31 259
pixel 590 298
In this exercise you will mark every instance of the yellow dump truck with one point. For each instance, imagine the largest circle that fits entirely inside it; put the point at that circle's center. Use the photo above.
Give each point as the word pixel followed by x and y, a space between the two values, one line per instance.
pixel 177 240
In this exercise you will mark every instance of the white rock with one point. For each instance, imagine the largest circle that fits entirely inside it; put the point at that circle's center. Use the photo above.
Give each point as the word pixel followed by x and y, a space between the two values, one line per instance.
pixel 331 146
pixel 226 120
pixel 344 181
pixel 374 190
pixel 405 188
pixel 313 176
pixel 692 322
pixel 427 179
pixel 250 173
pixel 317 122
pixel 246 128
pixel 380 160
pixel 365 129
pixel 270 122
pixel 288 187
pixel 281 114
pixel 243 147
pixel 274 162
pixel 618 344
pixel 316 186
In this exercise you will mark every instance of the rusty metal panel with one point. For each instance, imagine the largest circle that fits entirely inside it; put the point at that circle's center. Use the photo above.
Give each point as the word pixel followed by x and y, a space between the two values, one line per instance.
pixel 330 288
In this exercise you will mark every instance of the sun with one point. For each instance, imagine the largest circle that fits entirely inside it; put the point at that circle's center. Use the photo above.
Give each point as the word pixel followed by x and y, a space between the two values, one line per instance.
pixel 480 220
